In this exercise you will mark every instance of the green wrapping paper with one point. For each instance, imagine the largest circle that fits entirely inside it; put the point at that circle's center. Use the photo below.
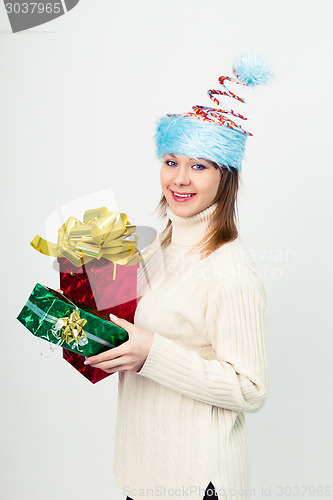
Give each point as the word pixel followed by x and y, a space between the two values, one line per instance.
pixel 51 316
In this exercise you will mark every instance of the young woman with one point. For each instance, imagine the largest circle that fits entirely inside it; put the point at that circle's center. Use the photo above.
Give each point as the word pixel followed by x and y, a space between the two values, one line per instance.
pixel 196 358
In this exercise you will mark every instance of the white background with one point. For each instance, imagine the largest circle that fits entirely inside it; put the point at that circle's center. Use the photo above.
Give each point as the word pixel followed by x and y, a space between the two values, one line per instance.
pixel 79 99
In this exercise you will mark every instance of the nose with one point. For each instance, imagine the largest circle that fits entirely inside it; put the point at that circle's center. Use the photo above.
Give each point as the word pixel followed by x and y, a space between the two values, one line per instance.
pixel 181 177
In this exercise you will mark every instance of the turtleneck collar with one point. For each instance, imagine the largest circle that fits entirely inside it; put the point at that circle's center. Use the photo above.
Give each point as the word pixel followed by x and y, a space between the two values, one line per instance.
pixel 188 231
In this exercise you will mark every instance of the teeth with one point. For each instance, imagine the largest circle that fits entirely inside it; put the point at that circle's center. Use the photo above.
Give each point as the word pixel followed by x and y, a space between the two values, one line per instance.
pixel 182 195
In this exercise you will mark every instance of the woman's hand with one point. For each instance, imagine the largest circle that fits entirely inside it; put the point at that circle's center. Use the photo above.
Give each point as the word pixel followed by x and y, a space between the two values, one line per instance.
pixel 129 356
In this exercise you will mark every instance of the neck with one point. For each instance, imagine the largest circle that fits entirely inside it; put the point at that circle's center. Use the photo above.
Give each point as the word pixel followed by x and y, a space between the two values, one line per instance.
pixel 188 231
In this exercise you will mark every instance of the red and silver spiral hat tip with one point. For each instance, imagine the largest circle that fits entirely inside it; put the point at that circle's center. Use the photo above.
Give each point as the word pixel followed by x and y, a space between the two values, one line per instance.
pixel 250 70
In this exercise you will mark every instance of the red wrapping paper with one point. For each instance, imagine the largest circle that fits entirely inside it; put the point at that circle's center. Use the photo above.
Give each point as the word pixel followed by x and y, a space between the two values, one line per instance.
pixel 94 286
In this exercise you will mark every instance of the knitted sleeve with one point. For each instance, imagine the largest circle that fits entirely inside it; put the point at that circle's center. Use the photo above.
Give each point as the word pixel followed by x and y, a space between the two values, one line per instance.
pixel 236 325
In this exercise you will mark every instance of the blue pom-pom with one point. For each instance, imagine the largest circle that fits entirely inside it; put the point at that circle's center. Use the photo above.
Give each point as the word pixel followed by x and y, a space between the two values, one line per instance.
pixel 252 69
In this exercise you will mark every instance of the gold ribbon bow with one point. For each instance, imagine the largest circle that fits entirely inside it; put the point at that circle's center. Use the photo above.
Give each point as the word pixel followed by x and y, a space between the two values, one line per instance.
pixel 72 327
pixel 101 234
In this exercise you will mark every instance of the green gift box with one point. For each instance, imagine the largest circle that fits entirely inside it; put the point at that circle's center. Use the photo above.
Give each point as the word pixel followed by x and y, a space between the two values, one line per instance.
pixel 51 316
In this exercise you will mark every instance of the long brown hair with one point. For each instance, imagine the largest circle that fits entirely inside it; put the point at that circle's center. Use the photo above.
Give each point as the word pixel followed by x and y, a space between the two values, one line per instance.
pixel 223 222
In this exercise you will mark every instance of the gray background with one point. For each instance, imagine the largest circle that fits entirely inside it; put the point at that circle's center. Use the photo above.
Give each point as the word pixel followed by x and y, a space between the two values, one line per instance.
pixel 79 98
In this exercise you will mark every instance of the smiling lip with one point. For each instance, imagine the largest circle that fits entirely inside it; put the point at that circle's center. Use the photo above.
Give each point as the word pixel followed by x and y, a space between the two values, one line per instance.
pixel 183 197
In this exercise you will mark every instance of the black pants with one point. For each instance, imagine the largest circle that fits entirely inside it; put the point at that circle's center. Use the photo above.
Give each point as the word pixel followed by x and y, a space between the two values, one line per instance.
pixel 209 493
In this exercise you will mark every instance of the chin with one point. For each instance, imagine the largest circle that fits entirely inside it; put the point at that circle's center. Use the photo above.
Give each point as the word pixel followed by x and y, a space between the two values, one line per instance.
pixel 183 211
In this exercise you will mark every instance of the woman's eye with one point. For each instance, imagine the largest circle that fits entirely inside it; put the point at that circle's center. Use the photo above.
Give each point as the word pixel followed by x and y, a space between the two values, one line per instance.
pixel 200 167
pixel 171 163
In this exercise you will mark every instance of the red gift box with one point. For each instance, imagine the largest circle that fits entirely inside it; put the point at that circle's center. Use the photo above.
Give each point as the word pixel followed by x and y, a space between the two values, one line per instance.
pixel 104 286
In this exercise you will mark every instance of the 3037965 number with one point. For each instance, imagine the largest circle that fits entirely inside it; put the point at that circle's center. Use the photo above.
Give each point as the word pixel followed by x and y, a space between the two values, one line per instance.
pixel 33 8
pixel 293 491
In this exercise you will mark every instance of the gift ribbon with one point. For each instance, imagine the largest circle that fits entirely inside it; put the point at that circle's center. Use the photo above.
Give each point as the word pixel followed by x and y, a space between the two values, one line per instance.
pixel 58 326
pixel 101 234
pixel 72 327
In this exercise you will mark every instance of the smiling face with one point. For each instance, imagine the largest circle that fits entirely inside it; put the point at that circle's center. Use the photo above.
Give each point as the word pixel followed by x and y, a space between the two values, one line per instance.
pixel 188 185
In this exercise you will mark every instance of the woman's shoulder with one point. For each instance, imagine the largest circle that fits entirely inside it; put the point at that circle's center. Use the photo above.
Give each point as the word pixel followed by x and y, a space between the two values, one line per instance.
pixel 234 261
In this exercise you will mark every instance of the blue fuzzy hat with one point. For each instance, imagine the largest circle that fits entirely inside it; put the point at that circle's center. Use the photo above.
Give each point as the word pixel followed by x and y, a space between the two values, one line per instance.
pixel 208 132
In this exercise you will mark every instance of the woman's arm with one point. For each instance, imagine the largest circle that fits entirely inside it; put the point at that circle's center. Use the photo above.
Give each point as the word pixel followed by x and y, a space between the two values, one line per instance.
pixel 238 378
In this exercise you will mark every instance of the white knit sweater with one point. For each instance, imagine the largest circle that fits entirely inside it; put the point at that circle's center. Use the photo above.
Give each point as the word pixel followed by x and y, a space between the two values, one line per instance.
pixel 181 419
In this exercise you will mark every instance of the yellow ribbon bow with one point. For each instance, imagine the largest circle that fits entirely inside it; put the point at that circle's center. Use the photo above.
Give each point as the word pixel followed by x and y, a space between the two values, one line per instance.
pixel 72 327
pixel 101 234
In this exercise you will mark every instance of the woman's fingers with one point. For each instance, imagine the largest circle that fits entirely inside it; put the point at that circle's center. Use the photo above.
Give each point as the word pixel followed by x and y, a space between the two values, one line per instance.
pixel 110 366
pixel 123 323
pixel 116 352
pixel 113 365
